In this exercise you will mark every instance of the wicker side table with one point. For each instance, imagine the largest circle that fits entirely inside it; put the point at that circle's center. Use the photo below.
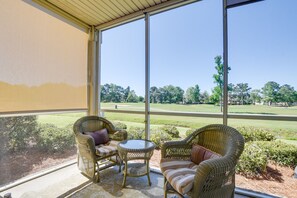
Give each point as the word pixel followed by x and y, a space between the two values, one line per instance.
pixel 136 150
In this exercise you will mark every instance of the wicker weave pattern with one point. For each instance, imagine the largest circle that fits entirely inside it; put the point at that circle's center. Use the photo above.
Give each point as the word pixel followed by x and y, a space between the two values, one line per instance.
pixel 130 155
pixel 214 177
pixel 87 157
pixel 133 153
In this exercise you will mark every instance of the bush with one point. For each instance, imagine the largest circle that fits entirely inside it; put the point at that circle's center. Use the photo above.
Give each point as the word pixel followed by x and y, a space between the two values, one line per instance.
pixel 253 160
pixel 189 132
pixel 280 152
pixel 257 153
pixel 159 137
pixel 119 125
pixel 256 134
pixel 136 133
pixel 54 139
pixel 171 130
pixel 17 132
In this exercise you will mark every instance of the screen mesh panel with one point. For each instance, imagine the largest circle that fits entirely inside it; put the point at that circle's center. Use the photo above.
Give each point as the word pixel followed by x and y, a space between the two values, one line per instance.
pixel 43 61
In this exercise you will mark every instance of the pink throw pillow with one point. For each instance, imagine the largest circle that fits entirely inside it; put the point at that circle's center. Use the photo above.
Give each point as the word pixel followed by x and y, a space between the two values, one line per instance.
pixel 200 153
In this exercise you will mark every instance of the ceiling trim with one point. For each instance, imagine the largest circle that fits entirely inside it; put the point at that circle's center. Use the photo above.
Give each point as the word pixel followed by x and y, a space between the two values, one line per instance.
pixel 161 7
pixel 167 5
pixel 60 12
pixel 236 3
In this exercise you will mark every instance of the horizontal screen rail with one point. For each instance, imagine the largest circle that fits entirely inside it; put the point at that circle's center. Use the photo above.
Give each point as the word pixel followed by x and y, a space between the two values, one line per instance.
pixel 41 112
pixel 211 115
pixel 263 117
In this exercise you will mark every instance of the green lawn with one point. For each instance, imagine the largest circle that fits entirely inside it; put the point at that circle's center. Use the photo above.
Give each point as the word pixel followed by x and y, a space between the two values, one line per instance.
pixel 282 129
pixel 60 120
pixel 242 109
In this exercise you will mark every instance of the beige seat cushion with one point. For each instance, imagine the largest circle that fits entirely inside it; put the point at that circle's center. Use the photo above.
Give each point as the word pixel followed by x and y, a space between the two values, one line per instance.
pixel 110 148
pixel 179 173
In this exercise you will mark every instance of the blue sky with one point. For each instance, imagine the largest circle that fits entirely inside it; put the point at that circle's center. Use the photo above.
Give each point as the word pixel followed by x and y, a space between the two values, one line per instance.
pixel 184 42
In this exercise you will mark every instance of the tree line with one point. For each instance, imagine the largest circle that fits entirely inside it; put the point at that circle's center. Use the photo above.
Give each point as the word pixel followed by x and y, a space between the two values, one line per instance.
pixel 239 94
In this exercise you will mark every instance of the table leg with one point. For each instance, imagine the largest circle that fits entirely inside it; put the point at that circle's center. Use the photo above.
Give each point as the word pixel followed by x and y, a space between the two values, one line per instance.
pixel 120 164
pixel 125 172
pixel 148 171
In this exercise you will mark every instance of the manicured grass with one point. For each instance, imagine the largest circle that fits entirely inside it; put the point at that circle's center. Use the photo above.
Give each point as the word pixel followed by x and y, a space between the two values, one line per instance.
pixel 282 129
pixel 242 109
pixel 60 120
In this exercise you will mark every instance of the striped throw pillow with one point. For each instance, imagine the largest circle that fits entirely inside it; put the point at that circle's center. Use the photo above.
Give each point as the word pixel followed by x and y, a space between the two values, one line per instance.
pixel 200 153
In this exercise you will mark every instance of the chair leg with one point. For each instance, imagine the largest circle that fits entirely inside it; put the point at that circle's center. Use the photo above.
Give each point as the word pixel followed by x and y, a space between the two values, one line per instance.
pixel 97 174
pixel 120 163
pixel 169 188
pixel 165 187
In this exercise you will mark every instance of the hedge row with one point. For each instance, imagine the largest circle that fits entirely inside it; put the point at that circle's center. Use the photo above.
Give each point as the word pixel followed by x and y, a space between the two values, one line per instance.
pixel 158 136
pixel 18 133
pixel 257 154
pixel 256 134
pixel 260 148
pixel 54 139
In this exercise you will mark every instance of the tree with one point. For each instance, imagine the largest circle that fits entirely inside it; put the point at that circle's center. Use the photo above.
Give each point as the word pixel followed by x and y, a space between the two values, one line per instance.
pixel 231 94
pixel 204 97
pixel 140 98
pixel 256 96
pixel 154 95
pixel 112 93
pixel 219 81
pixel 103 93
pixel 287 94
pixel 242 93
pixel 215 97
pixel 171 94
pixel 126 93
pixel 270 92
pixel 179 94
pixel 193 94
pixel 132 97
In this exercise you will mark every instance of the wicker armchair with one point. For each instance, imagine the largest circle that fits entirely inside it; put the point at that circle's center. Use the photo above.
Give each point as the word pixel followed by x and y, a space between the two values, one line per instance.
pixel 212 177
pixel 88 156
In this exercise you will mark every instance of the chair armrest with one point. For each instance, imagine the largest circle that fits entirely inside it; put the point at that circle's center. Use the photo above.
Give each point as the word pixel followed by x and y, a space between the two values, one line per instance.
pixel 176 149
pixel 119 135
pixel 86 146
pixel 214 174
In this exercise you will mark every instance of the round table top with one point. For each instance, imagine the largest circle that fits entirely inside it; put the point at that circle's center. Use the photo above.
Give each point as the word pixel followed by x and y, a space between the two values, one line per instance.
pixel 137 145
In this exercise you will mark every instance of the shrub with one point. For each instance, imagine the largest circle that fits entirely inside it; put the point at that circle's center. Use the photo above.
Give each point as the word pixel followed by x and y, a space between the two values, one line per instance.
pixel 54 139
pixel 280 152
pixel 257 153
pixel 119 125
pixel 256 134
pixel 17 132
pixel 159 137
pixel 136 133
pixel 189 132
pixel 253 160
pixel 171 130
